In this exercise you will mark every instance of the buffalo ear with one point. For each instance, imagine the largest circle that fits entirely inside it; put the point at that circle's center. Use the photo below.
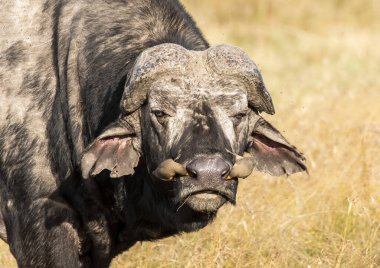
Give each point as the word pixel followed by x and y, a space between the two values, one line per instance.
pixel 271 152
pixel 117 149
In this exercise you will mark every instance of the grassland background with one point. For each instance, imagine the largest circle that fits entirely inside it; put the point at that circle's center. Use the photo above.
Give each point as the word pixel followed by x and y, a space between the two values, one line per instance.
pixel 321 62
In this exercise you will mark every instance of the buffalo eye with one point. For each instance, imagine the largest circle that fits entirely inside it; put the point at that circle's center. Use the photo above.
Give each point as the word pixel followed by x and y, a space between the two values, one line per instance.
pixel 160 116
pixel 158 113
pixel 240 116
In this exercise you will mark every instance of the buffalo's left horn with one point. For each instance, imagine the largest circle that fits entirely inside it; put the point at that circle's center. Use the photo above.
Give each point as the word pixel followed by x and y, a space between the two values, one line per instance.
pixel 168 169
pixel 232 61
pixel 243 167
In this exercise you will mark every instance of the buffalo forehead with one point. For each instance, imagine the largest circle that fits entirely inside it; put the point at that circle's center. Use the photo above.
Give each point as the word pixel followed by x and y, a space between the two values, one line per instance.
pixel 173 92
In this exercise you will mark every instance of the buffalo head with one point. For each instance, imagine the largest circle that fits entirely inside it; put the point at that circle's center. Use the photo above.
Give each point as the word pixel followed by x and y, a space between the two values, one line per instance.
pixel 192 115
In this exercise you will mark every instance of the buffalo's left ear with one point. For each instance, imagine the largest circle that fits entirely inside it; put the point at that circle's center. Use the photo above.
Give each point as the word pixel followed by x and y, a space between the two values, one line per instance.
pixel 117 149
pixel 271 152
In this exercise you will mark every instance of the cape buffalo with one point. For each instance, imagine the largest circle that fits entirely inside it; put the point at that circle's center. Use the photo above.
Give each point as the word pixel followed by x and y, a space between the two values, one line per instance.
pixel 119 123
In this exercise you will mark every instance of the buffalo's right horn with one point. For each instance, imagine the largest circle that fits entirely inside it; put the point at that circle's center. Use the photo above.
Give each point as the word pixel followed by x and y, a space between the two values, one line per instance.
pixel 152 63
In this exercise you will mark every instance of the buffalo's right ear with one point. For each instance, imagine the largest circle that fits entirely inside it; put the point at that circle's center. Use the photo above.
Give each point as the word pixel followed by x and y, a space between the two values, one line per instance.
pixel 271 152
pixel 117 149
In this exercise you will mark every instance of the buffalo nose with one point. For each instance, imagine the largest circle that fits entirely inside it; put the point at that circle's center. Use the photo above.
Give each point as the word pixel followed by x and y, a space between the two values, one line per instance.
pixel 204 167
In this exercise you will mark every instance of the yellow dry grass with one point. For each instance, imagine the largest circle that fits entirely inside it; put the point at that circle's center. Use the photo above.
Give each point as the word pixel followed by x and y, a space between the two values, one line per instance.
pixel 321 63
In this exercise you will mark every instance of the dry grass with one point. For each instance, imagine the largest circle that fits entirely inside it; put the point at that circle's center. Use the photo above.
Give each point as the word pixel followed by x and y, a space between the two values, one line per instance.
pixel 321 63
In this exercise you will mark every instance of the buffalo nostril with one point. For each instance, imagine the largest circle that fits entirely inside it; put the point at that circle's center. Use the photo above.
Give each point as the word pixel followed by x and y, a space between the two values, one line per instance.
pixel 225 172
pixel 191 172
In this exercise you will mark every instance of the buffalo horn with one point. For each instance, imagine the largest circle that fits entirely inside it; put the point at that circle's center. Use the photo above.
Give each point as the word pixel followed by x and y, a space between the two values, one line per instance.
pixel 230 61
pixel 152 63
pixel 224 60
